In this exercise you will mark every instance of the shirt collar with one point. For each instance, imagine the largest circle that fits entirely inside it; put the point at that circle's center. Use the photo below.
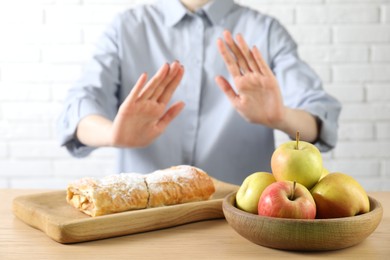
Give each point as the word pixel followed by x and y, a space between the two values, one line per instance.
pixel 173 10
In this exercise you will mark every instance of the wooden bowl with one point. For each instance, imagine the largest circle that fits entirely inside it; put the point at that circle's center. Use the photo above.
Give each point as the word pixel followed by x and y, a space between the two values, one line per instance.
pixel 302 234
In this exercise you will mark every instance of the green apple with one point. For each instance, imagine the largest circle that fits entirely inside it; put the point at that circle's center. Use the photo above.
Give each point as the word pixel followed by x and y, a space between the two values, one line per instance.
pixel 248 195
pixel 339 195
pixel 297 161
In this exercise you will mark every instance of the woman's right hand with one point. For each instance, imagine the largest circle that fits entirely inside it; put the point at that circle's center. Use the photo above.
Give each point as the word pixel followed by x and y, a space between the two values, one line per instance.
pixel 143 115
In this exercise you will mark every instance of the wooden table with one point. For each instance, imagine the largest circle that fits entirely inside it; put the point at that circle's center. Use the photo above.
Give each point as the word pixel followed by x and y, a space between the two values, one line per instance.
pixel 213 239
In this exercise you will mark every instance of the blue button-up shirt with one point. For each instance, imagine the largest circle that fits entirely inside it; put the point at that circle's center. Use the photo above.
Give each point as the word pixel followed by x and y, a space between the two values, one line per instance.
pixel 208 133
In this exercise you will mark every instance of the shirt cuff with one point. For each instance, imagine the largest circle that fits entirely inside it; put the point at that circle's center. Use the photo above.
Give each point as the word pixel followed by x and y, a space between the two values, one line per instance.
pixel 69 121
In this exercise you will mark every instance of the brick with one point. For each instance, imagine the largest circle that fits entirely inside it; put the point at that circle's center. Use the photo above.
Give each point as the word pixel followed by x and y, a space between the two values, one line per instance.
pixel 122 2
pixel 332 53
pixel 59 91
pixel 276 2
pixel 3 148
pixel 30 3
pixel 4 126
pixel 41 73
pixel 356 168
pixel 378 92
pixel 323 71
pixel 383 130
pixel 384 185
pixel 362 149
pixel 386 171
pixel 356 1
pixel 358 112
pixel 20 53
pixel 27 92
pixel 26 169
pixel 361 73
pixel 361 34
pixel 280 137
pixel 284 14
pixel 310 34
pixel 36 149
pixel 41 112
pixel 380 53
pixel 87 167
pixel 386 13
pixel 91 33
pixel 66 53
pixel 20 130
pixel 356 131
pixel 82 14
pixel 13 14
pixel 39 183
pixel 340 14
pixel 346 92
pixel 40 34
pixel 371 184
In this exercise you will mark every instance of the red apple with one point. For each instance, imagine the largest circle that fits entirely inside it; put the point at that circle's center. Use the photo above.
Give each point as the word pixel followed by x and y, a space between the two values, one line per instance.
pixel 287 199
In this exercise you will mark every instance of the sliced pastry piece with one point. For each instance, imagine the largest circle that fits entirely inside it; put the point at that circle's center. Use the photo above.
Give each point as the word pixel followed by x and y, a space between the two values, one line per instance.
pixel 178 184
pixel 111 194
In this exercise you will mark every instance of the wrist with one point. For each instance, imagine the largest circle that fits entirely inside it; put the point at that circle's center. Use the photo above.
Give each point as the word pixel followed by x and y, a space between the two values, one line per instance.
pixel 297 120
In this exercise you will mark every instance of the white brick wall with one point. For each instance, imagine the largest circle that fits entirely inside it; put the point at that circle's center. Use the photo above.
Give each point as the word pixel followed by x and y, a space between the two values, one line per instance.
pixel 43 44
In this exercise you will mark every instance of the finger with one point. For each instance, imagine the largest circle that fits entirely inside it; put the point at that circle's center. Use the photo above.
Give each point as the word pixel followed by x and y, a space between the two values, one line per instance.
pixel 247 53
pixel 154 82
pixel 174 69
pixel 263 66
pixel 236 51
pixel 134 93
pixel 170 89
pixel 171 114
pixel 227 89
pixel 230 62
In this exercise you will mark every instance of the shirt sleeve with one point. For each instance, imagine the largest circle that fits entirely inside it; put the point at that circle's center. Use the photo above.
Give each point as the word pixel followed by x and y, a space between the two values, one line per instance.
pixel 95 93
pixel 301 87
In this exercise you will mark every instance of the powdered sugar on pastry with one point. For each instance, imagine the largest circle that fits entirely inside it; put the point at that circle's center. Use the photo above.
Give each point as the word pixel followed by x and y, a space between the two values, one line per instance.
pixel 179 184
pixel 129 191
pixel 113 193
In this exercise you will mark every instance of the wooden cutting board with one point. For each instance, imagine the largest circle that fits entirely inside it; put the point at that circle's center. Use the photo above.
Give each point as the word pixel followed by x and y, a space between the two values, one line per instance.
pixel 51 213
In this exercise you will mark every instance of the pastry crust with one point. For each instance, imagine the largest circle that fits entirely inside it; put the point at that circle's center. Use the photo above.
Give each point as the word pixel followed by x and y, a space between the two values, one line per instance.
pixel 130 191
pixel 179 184
pixel 111 194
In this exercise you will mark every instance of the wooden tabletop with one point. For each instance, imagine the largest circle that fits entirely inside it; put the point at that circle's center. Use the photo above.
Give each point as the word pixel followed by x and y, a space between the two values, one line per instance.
pixel 213 239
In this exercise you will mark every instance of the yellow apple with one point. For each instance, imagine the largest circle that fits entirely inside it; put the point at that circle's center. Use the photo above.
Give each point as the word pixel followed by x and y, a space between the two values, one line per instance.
pixel 297 161
pixel 324 173
pixel 248 195
pixel 339 195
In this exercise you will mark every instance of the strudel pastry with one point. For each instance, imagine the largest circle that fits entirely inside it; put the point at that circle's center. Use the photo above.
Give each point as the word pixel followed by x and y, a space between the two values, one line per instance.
pixel 130 191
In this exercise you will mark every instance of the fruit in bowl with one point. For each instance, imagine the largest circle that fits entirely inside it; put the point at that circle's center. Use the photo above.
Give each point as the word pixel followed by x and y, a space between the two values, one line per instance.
pixel 339 195
pixel 287 199
pixel 249 193
pixel 302 234
pixel 344 214
pixel 297 161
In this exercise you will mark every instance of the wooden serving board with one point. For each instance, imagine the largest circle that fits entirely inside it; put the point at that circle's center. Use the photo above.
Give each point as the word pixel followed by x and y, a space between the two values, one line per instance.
pixel 51 213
